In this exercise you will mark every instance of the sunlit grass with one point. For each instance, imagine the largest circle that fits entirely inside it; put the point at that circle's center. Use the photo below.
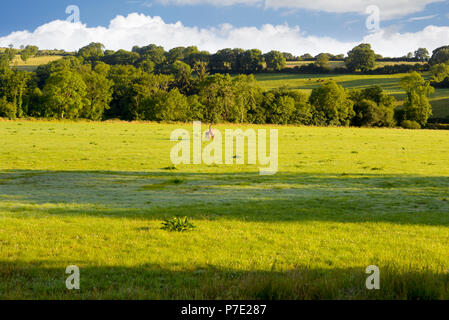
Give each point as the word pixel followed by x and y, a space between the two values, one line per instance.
pixel 96 194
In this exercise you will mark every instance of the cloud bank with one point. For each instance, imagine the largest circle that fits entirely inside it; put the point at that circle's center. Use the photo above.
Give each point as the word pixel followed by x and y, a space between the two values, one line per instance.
pixel 139 29
pixel 389 8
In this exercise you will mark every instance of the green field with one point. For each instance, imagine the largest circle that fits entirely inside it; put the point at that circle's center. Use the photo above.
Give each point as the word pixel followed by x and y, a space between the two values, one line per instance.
pixel 95 194
pixel 341 64
pixel 32 63
pixel 390 83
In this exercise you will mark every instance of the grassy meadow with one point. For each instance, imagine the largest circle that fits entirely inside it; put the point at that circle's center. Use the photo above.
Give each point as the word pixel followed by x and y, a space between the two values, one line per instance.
pixel 95 195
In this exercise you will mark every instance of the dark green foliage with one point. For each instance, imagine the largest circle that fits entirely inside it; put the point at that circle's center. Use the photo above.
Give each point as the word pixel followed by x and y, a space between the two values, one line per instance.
pixel 123 57
pixel 279 107
pixel 322 61
pixel 7 109
pixel 373 108
pixel 332 105
pixel 10 53
pixel 151 84
pixel 28 52
pixel 99 91
pixel 132 88
pixel 229 99
pixel 417 106
pixel 14 87
pixel 361 58
pixel 440 55
pixel 251 61
pixel 422 54
pixel 410 124
pixel 275 61
pixel 65 95
pixel 167 106
pixel 92 52
pixel 399 68
pixel 177 224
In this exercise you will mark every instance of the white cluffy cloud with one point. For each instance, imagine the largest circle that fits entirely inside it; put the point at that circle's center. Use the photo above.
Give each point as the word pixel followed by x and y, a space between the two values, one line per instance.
pixel 389 8
pixel 138 29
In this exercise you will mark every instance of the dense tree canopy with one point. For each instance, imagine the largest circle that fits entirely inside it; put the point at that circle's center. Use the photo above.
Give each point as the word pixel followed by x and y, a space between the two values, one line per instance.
pixel 422 54
pixel 440 55
pixel 275 61
pixel 332 104
pixel 149 83
pixel 322 61
pixel 373 108
pixel 361 58
pixel 29 52
pixel 65 95
pixel 93 51
pixel 417 107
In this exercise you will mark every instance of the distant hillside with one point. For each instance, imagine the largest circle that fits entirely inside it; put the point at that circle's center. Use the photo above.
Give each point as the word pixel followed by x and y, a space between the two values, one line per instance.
pixel 32 63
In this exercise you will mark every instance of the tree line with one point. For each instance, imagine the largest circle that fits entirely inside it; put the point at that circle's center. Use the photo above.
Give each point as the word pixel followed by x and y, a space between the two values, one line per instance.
pixel 149 84
pixel 154 58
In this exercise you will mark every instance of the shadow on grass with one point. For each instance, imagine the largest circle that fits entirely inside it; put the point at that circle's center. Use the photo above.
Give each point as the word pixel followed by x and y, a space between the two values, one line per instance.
pixel 358 198
pixel 34 281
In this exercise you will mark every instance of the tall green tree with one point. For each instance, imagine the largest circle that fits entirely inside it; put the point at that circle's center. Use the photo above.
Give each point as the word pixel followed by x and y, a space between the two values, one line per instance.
pixel 132 88
pixel 373 108
pixel 422 54
pixel 122 57
pixel 175 54
pixel 248 96
pixel 92 52
pixel 7 109
pixel 182 73
pixel 43 72
pixel 98 91
pixel 279 106
pixel 13 86
pixel 167 106
pixel 439 72
pixel 10 53
pixel 65 94
pixel 361 58
pixel 224 61
pixel 217 96
pixel 275 61
pixel 322 61
pixel 440 55
pixel 332 105
pixel 417 106
pixel 28 52
pixel 303 110
pixel 152 52
pixel 251 61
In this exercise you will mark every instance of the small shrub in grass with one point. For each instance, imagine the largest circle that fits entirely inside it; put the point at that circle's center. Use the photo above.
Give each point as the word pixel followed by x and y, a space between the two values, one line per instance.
pixel 407 124
pixel 177 224
pixel 171 168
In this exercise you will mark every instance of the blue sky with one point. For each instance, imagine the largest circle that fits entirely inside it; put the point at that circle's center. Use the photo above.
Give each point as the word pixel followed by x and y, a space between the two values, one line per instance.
pixel 339 23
